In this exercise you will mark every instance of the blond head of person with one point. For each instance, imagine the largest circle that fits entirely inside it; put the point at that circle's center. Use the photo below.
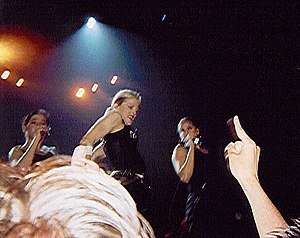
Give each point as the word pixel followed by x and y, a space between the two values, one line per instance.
pixel 75 201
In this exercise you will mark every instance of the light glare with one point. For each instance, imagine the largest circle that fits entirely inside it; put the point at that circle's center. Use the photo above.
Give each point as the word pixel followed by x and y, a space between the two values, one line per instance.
pixel 80 92
pixel 94 87
pixel 20 82
pixel 91 22
pixel 5 74
pixel 114 79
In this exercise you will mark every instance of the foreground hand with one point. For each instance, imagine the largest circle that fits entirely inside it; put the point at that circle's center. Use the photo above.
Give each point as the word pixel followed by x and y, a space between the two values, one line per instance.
pixel 242 156
pixel 79 157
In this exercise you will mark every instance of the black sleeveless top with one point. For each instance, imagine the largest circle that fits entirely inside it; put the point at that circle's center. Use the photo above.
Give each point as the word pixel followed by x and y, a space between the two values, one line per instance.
pixel 39 157
pixel 195 210
pixel 121 150
pixel 198 179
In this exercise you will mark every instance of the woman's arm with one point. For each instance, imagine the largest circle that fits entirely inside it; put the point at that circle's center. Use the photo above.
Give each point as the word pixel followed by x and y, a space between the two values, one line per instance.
pixel 109 122
pixel 98 153
pixel 23 159
pixel 104 125
pixel 183 161
pixel 14 155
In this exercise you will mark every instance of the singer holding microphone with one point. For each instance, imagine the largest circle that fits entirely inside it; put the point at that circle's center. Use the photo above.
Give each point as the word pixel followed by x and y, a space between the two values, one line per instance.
pixel 35 126
pixel 188 160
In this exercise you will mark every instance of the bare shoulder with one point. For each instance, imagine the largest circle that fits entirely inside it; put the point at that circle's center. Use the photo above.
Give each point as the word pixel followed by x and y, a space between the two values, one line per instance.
pixel 15 153
pixel 112 114
pixel 179 147
pixel 15 149
pixel 179 151
pixel 113 118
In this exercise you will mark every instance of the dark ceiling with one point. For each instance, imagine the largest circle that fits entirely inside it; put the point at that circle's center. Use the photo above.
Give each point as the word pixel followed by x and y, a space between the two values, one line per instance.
pixel 57 19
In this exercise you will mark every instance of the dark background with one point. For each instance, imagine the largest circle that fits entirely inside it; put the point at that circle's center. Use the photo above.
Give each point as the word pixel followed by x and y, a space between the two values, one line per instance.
pixel 208 59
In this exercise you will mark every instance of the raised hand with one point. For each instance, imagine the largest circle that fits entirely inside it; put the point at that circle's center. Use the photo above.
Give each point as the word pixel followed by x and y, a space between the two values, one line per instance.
pixel 242 156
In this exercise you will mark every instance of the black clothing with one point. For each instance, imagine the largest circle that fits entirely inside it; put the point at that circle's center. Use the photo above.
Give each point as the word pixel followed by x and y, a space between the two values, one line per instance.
pixel 40 157
pixel 196 205
pixel 121 150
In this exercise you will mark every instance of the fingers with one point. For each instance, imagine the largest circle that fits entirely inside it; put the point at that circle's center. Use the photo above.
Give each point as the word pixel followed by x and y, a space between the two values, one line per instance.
pixel 42 128
pixel 233 148
pixel 239 130
pixel 79 154
pixel 41 131
pixel 226 155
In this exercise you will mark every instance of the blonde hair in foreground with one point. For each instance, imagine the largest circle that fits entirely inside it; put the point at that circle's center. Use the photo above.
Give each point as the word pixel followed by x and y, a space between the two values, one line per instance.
pixel 72 201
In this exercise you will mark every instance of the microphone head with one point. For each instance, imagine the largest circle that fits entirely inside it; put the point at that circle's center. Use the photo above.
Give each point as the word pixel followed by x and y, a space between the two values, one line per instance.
pixel 197 141
pixel 48 130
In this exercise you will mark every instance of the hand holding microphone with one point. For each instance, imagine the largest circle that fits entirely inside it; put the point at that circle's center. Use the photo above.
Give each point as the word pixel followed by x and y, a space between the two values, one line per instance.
pixel 42 131
pixel 197 141
pixel 191 140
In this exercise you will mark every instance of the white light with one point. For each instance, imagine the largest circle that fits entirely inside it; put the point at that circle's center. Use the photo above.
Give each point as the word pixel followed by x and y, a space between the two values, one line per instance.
pixel 80 92
pixel 114 79
pixel 94 87
pixel 91 22
pixel 20 82
pixel 5 74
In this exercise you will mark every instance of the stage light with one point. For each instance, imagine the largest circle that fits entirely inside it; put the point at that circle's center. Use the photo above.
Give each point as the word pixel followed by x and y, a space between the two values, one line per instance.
pixel 20 82
pixel 80 92
pixel 5 74
pixel 114 79
pixel 164 17
pixel 94 87
pixel 91 22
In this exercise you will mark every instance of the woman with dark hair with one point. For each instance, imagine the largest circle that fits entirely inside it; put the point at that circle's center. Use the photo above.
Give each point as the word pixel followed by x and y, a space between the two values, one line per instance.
pixel 35 126
pixel 188 160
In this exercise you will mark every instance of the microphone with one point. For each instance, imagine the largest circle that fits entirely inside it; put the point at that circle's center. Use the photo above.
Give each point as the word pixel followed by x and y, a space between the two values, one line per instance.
pixel 46 132
pixel 197 141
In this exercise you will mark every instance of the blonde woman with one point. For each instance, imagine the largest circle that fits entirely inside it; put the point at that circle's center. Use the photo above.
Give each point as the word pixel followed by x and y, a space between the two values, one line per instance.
pixel 118 151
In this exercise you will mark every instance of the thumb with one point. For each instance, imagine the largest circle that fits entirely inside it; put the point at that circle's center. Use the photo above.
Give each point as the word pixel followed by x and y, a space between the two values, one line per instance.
pixel 238 145
pixel 257 153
